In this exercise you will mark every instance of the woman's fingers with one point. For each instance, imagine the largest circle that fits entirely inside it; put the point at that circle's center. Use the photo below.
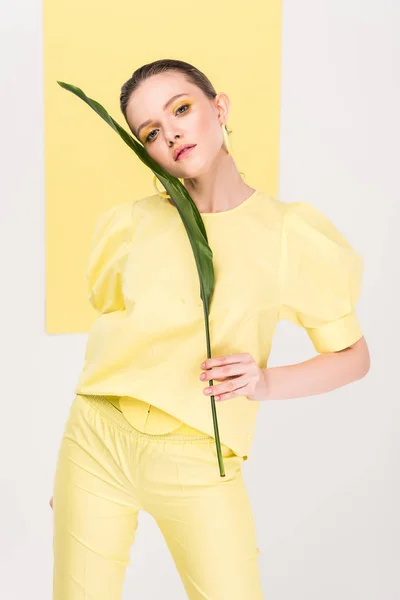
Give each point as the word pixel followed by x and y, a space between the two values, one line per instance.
pixel 244 357
pixel 51 502
pixel 235 371
pixel 228 389
pixel 221 373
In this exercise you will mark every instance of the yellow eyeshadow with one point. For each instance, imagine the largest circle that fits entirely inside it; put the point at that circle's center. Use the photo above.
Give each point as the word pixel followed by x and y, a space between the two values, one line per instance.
pixel 181 103
pixel 145 132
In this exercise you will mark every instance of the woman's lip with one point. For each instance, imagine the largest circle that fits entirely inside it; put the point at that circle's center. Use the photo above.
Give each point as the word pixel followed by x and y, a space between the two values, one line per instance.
pixel 185 152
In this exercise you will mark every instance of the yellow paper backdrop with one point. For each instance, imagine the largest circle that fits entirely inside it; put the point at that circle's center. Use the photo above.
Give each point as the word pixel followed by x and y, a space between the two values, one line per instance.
pixel 96 45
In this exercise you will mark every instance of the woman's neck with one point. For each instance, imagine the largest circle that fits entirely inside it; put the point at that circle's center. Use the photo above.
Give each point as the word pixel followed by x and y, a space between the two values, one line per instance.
pixel 220 189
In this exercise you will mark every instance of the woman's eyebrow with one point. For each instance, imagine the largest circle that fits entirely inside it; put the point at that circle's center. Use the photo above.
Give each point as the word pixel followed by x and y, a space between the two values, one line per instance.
pixel 164 108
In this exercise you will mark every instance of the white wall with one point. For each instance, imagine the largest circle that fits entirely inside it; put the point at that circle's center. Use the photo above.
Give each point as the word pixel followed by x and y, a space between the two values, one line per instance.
pixel 324 471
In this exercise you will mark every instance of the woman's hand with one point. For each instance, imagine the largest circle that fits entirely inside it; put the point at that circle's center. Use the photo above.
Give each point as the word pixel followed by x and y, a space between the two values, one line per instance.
pixel 51 502
pixel 240 374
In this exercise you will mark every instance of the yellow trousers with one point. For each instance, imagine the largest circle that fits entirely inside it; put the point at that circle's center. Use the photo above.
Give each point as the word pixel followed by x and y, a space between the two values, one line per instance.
pixel 107 472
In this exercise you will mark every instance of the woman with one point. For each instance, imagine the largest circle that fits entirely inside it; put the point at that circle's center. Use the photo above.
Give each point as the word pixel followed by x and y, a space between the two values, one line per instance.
pixel 140 431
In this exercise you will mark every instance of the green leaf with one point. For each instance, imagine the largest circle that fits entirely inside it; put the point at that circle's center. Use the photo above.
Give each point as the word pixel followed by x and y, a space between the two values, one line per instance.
pixel 192 222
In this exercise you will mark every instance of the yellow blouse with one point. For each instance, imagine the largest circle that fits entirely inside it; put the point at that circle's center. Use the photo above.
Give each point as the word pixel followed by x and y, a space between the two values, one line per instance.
pixel 273 260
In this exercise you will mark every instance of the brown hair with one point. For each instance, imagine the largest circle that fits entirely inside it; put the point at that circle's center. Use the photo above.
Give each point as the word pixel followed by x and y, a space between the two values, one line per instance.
pixel 191 73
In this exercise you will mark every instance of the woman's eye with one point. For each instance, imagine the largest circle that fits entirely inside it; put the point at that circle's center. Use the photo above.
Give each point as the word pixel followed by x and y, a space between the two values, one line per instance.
pixel 183 106
pixel 150 138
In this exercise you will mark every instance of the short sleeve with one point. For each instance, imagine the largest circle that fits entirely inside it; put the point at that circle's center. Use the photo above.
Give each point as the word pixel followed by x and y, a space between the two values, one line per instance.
pixel 321 276
pixel 109 251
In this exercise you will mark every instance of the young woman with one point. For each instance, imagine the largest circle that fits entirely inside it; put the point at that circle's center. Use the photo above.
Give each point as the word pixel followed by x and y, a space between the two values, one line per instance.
pixel 140 432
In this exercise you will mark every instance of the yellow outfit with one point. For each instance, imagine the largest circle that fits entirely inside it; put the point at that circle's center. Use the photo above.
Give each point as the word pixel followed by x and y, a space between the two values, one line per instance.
pixel 107 472
pixel 272 260
pixel 157 452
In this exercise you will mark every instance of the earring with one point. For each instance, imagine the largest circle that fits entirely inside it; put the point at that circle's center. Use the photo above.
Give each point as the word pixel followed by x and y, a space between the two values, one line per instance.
pixel 226 139
pixel 227 145
pixel 163 194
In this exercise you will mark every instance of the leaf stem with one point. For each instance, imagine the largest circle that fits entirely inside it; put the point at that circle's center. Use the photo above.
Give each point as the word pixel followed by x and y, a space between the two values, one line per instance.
pixel 213 407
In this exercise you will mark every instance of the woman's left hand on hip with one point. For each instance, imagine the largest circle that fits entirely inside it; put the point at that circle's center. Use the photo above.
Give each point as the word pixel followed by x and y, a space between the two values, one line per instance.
pixel 240 376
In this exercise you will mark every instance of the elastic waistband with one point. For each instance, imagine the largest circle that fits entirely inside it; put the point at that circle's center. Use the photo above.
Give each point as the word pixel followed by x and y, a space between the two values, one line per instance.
pixel 111 413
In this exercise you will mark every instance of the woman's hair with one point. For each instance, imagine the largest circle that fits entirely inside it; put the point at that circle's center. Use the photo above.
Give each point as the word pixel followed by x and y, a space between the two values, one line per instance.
pixel 163 66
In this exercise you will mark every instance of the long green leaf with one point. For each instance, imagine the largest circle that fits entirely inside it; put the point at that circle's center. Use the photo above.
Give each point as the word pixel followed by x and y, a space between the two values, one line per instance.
pixel 192 222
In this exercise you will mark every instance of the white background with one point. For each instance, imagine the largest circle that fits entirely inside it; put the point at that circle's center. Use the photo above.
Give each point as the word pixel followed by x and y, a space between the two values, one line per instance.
pixel 324 471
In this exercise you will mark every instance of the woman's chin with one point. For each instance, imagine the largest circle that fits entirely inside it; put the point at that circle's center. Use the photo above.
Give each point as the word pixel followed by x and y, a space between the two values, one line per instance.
pixel 193 172
pixel 192 169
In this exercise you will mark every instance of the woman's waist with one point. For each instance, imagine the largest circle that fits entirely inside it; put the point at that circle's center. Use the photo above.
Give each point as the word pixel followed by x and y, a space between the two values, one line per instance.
pixel 138 413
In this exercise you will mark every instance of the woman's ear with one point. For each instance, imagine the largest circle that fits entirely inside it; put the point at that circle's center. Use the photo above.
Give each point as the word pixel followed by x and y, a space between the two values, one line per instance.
pixel 222 104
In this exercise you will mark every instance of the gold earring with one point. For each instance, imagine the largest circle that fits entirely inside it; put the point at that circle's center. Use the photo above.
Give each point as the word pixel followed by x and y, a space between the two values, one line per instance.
pixel 227 145
pixel 163 194
pixel 226 139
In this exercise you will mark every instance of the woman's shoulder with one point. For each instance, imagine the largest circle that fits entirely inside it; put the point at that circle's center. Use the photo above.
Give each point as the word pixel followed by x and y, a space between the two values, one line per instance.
pixel 126 206
pixel 300 210
pixel 121 214
pixel 309 224
pixel 288 215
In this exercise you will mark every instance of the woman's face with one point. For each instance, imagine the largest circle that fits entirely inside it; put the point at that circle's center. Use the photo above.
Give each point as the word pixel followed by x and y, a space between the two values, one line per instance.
pixel 170 122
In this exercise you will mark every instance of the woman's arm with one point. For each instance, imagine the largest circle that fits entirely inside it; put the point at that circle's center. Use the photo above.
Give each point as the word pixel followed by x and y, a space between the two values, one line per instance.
pixel 320 374
pixel 241 375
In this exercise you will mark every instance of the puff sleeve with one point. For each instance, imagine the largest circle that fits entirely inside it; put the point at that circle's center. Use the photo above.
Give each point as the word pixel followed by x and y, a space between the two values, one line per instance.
pixel 321 277
pixel 109 251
